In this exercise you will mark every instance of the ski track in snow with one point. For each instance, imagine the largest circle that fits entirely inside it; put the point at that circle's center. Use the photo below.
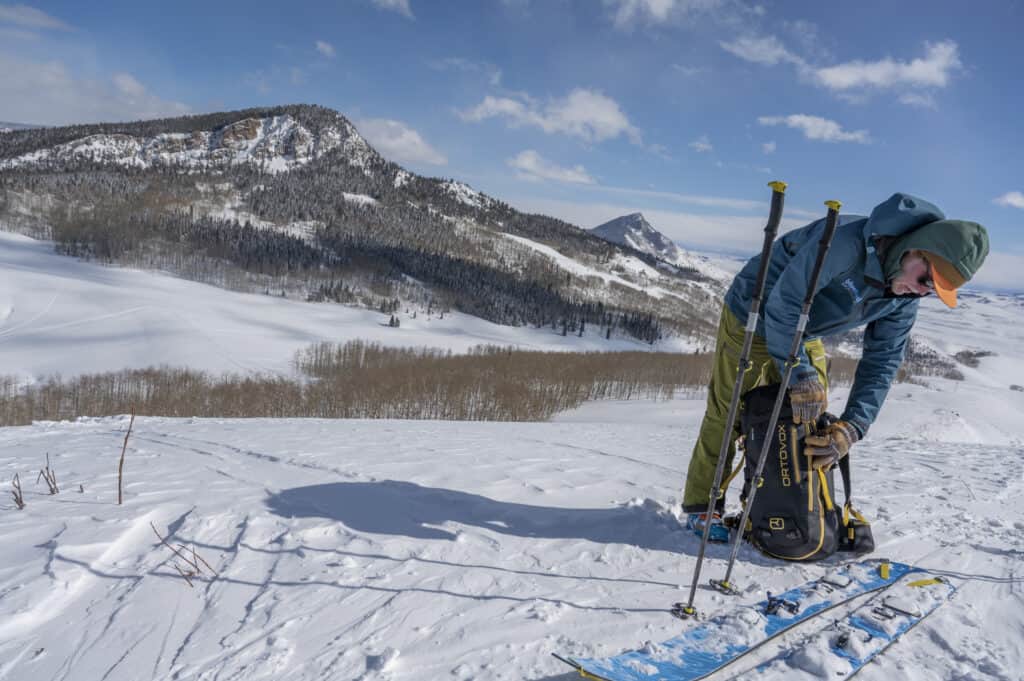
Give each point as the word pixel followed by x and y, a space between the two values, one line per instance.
pixel 420 549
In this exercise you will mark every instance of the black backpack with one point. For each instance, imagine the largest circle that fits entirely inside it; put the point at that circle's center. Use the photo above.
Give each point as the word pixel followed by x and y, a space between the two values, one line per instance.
pixel 794 515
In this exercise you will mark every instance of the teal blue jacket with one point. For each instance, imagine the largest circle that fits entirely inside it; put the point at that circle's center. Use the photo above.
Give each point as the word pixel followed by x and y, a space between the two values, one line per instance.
pixel 851 292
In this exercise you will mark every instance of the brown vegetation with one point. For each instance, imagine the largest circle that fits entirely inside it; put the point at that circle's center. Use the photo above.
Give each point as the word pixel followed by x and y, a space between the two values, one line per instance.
pixel 366 380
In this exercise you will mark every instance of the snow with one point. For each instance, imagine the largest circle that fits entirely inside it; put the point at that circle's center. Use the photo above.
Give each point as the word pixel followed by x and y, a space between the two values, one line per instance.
pixel 581 270
pixel 466 194
pixel 400 550
pixel 362 199
pixel 278 143
pixel 118 318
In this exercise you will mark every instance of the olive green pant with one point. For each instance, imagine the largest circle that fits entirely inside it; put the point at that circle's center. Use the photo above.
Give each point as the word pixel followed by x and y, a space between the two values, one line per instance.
pixel 713 428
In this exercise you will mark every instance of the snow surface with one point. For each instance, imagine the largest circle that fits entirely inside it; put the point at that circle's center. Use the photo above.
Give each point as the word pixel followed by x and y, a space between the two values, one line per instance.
pixel 401 550
pixel 115 318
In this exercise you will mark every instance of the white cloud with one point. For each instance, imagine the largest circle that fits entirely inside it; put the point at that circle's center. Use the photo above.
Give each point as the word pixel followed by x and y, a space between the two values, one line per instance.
pixel 817 128
pixel 923 100
pixel 30 17
pixel 399 142
pixel 587 114
pixel 702 144
pixel 47 93
pixel 687 71
pixel 854 79
pixel 768 147
pixel 128 85
pixel 761 50
pixel 492 72
pixel 933 70
pixel 400 6
pixel 532 166
pixel 325 48
pixel 1011 200
pixel 1001 271
pixel 627 13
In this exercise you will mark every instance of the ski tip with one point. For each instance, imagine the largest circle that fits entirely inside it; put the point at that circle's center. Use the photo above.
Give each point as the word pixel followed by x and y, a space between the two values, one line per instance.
pixel 834 205
pixel 778 186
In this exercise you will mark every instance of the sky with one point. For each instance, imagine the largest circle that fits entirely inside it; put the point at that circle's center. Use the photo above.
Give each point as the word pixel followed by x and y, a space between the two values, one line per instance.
pixel 587 109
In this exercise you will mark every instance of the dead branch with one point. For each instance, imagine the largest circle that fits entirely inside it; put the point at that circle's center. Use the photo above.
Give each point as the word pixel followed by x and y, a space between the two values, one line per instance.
pixel 49 475
pixel 120 466
pixel 183 574
pixel 193 563
pixel 19 497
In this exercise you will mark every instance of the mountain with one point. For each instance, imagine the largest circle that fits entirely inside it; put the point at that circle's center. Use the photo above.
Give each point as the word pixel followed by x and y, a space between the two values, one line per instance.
pixel 293 199
pixel 635 231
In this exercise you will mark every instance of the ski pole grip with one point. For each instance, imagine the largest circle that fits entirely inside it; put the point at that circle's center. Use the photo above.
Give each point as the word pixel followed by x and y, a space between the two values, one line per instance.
pixel 771 228
pixel 831 222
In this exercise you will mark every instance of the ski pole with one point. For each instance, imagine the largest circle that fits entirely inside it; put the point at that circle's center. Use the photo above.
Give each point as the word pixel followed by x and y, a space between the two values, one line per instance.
pixel 798 338
pixel 770 230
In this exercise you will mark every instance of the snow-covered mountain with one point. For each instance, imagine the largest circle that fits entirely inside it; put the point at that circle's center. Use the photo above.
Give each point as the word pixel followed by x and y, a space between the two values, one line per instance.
pixel 635 231
pixel 304 172
pixel 274 144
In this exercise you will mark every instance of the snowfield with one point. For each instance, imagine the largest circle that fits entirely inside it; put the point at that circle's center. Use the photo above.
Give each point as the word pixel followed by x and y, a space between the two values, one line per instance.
pixel 401 550
pixel 445 550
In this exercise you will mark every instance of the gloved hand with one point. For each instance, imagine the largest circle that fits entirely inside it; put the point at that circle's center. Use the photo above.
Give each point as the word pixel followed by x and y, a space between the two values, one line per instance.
pixel 808 400
pixel 831 445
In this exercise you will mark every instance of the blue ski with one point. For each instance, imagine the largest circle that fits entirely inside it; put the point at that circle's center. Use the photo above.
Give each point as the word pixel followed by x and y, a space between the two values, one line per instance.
pixel 843 648
pixel 721 640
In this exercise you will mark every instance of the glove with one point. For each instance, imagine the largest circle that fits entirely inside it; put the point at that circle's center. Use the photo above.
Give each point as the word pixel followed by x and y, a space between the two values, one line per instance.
pixel 808 400
pixel 833 444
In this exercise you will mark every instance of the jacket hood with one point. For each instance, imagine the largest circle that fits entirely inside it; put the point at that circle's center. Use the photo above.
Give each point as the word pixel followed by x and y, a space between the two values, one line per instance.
pixel 899 214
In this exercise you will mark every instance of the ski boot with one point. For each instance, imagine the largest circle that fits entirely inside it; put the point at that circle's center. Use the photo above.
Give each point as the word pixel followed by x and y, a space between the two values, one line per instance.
pixel 719 532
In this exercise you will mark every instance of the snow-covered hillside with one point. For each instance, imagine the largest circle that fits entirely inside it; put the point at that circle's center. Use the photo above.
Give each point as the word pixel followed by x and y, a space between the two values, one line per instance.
pixel 636 232
pixel 62 315
pixel 275 144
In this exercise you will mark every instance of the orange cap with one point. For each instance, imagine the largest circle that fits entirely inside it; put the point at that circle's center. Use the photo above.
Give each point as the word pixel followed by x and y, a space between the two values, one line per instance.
pixel 944 289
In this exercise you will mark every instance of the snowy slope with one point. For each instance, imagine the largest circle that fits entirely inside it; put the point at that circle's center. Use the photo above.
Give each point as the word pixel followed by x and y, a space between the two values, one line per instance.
pixel 58 314
pixel 436 550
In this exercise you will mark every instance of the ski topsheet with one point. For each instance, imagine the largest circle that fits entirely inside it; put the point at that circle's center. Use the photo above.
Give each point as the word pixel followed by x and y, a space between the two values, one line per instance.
pixel 840 650
pixel 719 641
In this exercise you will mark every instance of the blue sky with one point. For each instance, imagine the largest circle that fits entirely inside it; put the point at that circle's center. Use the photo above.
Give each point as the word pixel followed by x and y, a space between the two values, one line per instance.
pixel 682 109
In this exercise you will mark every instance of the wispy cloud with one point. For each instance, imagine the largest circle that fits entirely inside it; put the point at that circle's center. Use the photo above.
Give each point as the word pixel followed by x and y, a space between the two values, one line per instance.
pixel 398 142
pixel 855 79
pixel 688 71
pixel 30 17
pixel 933 70
pixel 1010 200
pixel 701 145
pixel 48 93
pixel 490 71
pixel 325 48
pixel 817 128
pixel 761 50
pixel 532 166
pixel 626 14
pixel 400 6
pixel 586 114
pixel 768 147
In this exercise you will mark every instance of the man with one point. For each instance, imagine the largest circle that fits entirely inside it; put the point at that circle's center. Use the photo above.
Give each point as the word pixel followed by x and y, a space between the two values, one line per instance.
pixel 877 269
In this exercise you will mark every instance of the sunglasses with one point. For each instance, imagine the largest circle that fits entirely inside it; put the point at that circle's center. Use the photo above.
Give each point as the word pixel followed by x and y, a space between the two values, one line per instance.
pixel 926 278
